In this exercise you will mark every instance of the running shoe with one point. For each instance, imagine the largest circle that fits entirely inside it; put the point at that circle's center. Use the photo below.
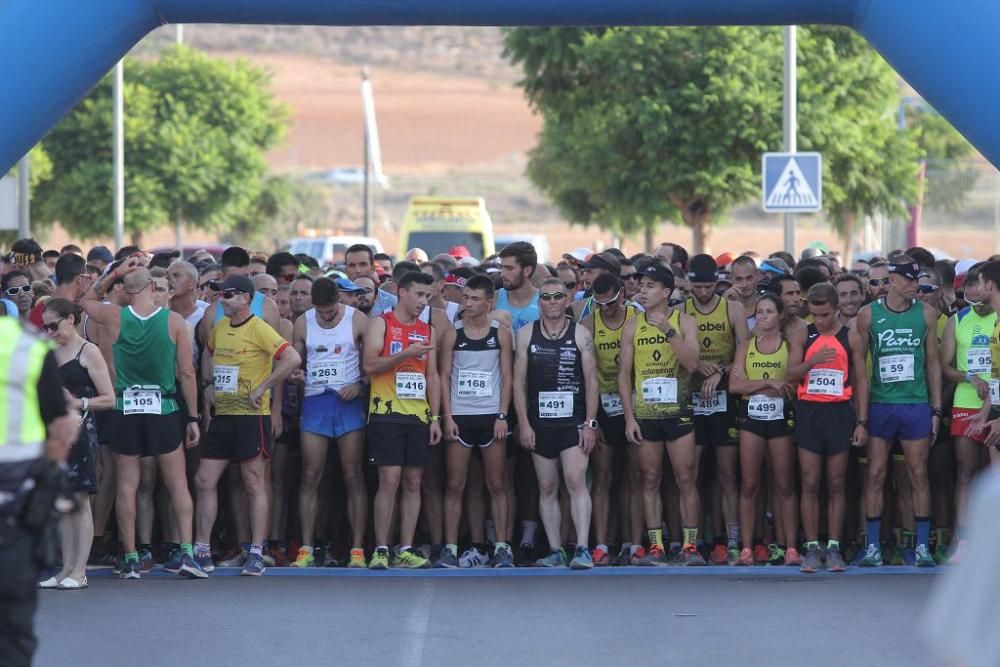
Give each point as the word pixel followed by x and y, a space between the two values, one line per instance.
pixel 205 563
pixel 655 556
pixel 834 561
pixel 872 557
pixel 760 555
pixel 792 557
pixel 958 554
pixel 899 556
pixel 173 566
pixel 733 556
pixel 526 554
pixel 910 556
pixel 146 561
pixel 189 568
pixel 941 553
pixel 924 557
pixel 582 560
pixel 719 555
pixel 503 557
pixel 690 557
pixel 267 559
pixel 329 557
pixel 600 557
pixel 447 560
pixel 622 558
pixel 408 559
pixel 254 566
pixel 637 557
pixel 746 557
pixel 357 558
pixel 130 570
pixel 380 560
pixel 674 554
pixel 813 560
pixel 304 558
pixel 775 555
pixel 473 557
pixel 238 560
pixel 279 555
pixel 555 559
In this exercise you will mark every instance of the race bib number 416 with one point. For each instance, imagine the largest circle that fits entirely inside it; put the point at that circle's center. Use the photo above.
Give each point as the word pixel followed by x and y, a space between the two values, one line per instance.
pixel 411 385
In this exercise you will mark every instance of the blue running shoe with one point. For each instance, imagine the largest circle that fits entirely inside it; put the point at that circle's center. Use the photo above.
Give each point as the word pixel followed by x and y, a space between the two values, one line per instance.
pixel 582 559
pixel 872 557
pixel 909 557
pixel 130 570
pixel 923 557
pixel 189 568
pixel 174 564
pixel 555 559
pixel 254 566
pixel 205 563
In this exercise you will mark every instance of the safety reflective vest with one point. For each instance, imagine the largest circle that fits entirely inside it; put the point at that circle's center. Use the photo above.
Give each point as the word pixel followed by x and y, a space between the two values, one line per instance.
pixel 22 431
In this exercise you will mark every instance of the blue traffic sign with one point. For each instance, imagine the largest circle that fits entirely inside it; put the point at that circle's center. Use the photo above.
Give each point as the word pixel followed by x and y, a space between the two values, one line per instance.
pixel 792 182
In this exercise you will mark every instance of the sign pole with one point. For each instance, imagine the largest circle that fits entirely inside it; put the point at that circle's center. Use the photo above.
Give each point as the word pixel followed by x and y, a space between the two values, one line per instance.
pixel 24 197
pixel 790 121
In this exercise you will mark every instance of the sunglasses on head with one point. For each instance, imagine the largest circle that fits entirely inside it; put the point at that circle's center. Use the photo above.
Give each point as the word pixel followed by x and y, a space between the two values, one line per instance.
pixel 609 302
pixel 14 291
pixel 52 327
pixel 230 293
pixel 875 282
pixel 552 296
pixel 927 289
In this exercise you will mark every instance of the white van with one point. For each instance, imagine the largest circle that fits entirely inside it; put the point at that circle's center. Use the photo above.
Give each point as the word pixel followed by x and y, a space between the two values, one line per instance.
pixel 540 241
pixel 330 249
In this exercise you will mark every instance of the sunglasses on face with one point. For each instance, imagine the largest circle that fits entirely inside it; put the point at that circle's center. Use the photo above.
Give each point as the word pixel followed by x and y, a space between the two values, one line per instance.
pixel 14 291
pixel 52 327
pixel 610 302
pixel 552 296
pixel 927 289
pixel 876 282
pixel 631 276
pixel 210 285
pixel 230 293
pixel 570 284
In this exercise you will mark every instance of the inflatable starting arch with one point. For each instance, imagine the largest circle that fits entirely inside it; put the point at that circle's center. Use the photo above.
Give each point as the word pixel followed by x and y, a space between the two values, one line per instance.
pixel 53 51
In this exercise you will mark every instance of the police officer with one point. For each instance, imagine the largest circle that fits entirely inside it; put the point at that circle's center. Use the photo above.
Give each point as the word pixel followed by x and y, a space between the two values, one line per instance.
pixel 37 431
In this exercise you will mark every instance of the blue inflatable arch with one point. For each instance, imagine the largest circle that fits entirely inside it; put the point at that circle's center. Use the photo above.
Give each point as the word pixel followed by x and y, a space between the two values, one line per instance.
pixel 53 51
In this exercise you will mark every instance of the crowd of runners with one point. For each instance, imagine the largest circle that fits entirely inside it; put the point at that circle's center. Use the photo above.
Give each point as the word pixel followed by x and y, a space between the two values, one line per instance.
pixel 257 411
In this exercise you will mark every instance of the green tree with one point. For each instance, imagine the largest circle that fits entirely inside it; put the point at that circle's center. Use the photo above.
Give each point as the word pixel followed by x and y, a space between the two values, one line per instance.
pixel 196 129
pixel 283 208
pixel 650 124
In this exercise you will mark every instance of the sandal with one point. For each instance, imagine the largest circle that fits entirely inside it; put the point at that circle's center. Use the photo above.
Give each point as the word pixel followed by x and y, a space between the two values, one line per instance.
pixel 71 584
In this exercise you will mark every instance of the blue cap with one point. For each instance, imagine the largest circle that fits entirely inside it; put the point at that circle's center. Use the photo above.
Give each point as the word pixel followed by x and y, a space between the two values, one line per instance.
pixel 346 285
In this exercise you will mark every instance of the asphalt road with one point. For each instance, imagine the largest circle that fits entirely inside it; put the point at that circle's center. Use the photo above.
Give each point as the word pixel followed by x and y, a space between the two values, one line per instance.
pixel 705 616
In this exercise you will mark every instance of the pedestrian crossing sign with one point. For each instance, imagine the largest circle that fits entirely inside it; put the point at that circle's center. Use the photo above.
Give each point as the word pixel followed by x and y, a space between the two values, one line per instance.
pixel 792 182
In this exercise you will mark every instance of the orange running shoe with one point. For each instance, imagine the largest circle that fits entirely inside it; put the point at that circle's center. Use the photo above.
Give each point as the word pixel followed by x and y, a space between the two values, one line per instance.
pixel 792 557
pixel 719 555
pixel 600 557
pixel 746 557
pixel 638 556
pixel 760 554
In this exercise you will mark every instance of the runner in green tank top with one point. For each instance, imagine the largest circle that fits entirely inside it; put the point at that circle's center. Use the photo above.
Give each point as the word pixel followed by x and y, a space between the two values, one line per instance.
pixel 900 332
pixel 153 347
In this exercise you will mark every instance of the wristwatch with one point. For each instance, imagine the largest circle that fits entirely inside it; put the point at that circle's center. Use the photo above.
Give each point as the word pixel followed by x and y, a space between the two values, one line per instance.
pixel 502 416
pixel 193 419
pixel 435 418
pixel 670 333
pixel 591 424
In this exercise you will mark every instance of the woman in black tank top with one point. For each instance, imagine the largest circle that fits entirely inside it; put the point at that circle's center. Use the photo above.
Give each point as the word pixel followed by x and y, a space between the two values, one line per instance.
pixel 88 385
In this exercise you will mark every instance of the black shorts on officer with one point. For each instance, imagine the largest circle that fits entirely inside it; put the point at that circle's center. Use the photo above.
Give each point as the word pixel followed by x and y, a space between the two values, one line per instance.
pixel 776 428
pixel 551 441
pixel 659 430
pixel 824 428
pixel 145 435
pixel 398 443
pixel 237 438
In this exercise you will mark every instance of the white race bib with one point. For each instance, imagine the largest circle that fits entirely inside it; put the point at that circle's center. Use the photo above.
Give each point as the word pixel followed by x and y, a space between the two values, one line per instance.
pixel 709 405
pixel 659 390
pixel 612 404
pixel 766 408
pixel 141 402
pixel 825 382
pixel 411 385
pixel 895 368
pixel 978 361
pixel 474 383
pixel 226 379
pixel 327 373
pixel 995 392
pixel 555 404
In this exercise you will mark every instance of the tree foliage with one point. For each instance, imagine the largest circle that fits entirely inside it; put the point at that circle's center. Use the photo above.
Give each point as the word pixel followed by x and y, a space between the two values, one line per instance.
pixel 196 129
pixel 643 125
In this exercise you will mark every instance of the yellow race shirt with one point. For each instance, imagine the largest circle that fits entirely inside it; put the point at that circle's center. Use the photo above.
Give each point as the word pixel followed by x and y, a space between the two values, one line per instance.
pixel 662 386
pixel 243 356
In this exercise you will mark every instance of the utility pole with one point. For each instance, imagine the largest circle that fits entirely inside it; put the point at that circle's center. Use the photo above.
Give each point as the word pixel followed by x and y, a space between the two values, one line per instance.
pixel 24 197
pixel 790 120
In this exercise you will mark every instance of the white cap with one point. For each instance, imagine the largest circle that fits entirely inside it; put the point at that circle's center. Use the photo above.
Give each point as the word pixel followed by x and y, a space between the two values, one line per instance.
pixel 962 266
pixel 471 262
pixel 579 254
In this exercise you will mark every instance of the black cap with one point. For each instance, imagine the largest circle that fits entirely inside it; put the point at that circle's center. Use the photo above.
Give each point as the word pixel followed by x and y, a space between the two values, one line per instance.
pixel 238 283
pixel 603 260
pixel 910 270
pixel 654 270
pixel 702 269
pixel 101 253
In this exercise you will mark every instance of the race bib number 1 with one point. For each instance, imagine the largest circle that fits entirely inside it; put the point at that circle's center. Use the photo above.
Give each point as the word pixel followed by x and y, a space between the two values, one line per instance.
pixel 612 404
pixel 555 404
pixel 825 382
pixel 141 402
pixel 411 385
pixel 895 368
pixel 659 390
pixel 766 408
pixel 226 379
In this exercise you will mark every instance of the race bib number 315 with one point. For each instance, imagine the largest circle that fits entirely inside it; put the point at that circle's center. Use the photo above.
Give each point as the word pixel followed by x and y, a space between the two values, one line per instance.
pixel 227 379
